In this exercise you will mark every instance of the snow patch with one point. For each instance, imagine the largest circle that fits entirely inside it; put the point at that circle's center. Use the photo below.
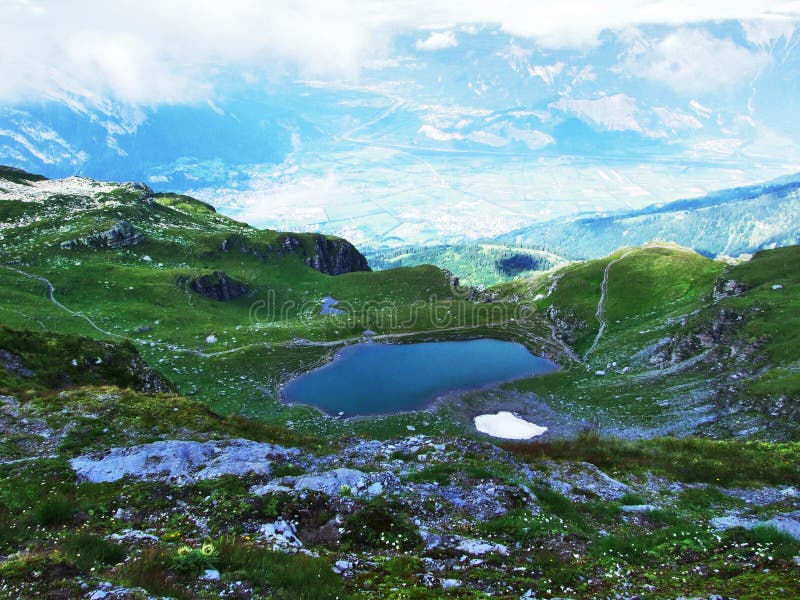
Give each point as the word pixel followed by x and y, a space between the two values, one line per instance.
pixel 508 426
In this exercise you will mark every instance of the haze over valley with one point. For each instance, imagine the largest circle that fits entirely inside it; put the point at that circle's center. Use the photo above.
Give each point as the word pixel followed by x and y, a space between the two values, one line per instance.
pixel 447 134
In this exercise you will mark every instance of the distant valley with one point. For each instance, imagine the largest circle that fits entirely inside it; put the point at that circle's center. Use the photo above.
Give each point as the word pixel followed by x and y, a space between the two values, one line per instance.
pixel 728 223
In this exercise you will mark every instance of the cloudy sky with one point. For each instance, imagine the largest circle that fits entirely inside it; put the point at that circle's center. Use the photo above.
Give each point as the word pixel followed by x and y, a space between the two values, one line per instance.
pixel 148 52
pixel 386 121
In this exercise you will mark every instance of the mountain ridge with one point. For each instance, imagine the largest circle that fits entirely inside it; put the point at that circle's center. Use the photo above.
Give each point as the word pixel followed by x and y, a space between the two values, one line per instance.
pixel 712 224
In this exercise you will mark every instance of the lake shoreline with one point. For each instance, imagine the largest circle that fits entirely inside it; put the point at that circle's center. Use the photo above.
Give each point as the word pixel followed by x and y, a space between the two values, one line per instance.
pixel 519 367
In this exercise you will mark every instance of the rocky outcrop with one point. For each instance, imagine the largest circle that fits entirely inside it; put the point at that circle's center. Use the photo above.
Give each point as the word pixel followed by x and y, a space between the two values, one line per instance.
pixel 218 286
pixel 788 523
pixel 716 336
pixel 13 364
pixel 122 234
pixel 58 361
pixel 565 323
pixel 335 256
pixel 579 481
pixel 335 482
pixel 181 462
pixel 329 255
pixel 142 187
pixel 725 288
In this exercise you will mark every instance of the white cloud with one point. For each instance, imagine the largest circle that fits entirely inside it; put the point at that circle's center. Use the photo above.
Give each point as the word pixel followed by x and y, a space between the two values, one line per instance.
pixel 692 60
pixel 437 134
pixel 700 109
pixel 148 52
pixel 495 136
pixel 615 113
pixel 546 73
pixel 438 40
pixel 487 138
pixel 534 139
pixel 766 31
pixel 675 120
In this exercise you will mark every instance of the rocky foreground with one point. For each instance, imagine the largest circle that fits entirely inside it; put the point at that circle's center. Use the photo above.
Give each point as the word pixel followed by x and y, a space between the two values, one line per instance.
pixel 194 509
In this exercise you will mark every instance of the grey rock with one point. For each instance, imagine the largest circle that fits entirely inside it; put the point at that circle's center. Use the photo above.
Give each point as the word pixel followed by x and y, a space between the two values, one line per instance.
pixel 335 256
pixel 122 514
pixel 376 489
pixel 335 482
pixel 483 501
pixel 329 255
pixel 638 508
pixel 217 286
pixel 122 234
pixel 431 540
pixel 788 523
pixel 181 462
pixel 470 546
pixel 107 591
pixel 341 567
pixel 480 547
pixel 761 496
pixel 331 482
pixel 134 535
pixel 572 479
pixel 13 364
pixel 210 575
pixel 281 535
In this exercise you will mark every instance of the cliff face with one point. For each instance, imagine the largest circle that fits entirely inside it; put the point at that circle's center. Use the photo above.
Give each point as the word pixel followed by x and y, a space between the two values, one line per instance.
pixel 332 256
pixel 329 255
pixel 336 256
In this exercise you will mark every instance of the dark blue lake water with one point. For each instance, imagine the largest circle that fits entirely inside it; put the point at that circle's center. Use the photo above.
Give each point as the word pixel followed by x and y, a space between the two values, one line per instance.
pixel 372 378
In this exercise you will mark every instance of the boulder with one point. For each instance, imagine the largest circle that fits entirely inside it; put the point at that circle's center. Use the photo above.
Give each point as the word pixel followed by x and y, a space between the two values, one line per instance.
pixel 574 480
pixel 788 523
pixel 122 234
pixel 336 482
pixel 217 286
pixel 181 462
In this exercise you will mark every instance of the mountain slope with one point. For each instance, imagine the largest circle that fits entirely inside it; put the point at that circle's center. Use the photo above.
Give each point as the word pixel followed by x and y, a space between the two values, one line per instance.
pixel 729 222
pixel 670 342
pixel 476 265
pixel 231 311
pixel 113 485
pixel 113 492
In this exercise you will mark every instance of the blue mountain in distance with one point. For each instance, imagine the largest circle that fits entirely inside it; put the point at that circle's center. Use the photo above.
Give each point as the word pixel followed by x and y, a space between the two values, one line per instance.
pixel 729 222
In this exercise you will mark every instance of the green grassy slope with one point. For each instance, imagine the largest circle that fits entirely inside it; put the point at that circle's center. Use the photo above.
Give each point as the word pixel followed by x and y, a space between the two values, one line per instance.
pixel 677 348
pixel 60 537
pixel 662 338
pixel 140 292
pixel 679 345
